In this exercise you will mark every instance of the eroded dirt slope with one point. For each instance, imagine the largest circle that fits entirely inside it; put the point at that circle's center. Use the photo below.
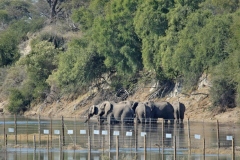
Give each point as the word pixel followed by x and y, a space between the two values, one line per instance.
pixel 197 106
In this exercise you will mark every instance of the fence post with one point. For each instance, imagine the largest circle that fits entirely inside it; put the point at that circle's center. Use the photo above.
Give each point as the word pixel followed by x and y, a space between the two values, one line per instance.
pixel 4 130
pixel 15 122
pixel 203 147
pixel 5 137
pixel 103 140
pixel 39 130
pixel 136 136
pixel 109 139
pixel 27 131
pixel 63 137
pixel 51 130
pixel 189 137
pixel 75 133
pixel 34 142
pixel 162 136
pixel 117 147
pixel 145 147
pixel 175 148
pixel 218 141
pixel 89 143
pixel 60 143
pixel 233 149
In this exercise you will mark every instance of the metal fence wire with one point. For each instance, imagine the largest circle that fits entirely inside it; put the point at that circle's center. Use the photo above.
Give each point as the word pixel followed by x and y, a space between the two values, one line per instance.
pixel 74 134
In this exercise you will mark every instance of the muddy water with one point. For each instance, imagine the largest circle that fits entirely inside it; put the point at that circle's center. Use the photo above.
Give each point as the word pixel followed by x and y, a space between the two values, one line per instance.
pixel 159 139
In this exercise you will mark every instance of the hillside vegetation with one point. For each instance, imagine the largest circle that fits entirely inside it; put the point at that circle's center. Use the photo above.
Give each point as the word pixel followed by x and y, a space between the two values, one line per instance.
pixel 55 50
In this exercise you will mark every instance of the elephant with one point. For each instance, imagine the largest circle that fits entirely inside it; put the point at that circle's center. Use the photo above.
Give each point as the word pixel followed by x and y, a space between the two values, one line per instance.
pixel 161 110
pixel 143 113
pixel 93 110
pixel 116 112
pixel 179 109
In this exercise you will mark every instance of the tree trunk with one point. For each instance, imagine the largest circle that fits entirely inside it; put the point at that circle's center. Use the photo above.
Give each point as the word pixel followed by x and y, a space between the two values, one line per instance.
pixel 52 5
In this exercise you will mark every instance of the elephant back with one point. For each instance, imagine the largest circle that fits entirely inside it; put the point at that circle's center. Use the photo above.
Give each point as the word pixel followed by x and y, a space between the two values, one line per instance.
pixel 161 109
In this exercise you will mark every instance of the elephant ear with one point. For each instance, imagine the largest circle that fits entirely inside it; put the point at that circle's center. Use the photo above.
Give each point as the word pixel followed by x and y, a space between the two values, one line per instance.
pixel 108 107
pixel 105 108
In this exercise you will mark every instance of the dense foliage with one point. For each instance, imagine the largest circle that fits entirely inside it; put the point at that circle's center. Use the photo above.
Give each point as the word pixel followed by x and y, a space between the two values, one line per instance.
pixel 174 40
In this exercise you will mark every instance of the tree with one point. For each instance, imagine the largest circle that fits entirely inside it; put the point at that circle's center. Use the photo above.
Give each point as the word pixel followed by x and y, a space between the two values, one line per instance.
pixel 4 18
pixel 221 6
pixel 80 66
pixel 55 8
pixel 8 48
pixel 116 39
pixel 40 64
pixel 225 91
pixel 17 102
pixel 150 24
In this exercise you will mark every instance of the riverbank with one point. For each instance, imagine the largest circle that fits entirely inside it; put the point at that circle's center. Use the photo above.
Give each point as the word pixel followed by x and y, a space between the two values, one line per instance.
pixel 198 106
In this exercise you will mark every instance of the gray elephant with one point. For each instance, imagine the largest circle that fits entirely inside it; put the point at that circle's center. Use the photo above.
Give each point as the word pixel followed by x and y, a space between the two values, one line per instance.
pixel 116 112
pixel 161 110
pixel 143 113
pixel 94 110
pixel 179 110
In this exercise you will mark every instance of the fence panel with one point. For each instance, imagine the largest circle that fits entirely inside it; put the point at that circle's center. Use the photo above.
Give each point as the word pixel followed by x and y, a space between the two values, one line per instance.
pixel 74 134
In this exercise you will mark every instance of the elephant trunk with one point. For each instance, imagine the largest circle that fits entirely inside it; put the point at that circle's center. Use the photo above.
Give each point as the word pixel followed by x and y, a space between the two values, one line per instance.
pixel 88 117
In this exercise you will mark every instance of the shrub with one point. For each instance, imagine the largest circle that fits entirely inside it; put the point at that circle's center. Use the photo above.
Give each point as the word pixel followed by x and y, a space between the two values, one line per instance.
pixel 223 94
pixel 17 102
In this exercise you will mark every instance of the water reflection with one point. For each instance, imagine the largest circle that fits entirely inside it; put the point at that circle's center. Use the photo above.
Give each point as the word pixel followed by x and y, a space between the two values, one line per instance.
pixel 125 155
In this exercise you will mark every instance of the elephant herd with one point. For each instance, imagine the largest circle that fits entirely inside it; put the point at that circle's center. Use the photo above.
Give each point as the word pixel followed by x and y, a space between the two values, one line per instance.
pixel 137 112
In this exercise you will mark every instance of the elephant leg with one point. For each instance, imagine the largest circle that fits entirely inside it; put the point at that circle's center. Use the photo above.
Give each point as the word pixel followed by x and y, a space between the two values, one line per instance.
pixel 127 117
pixel 141 119
pixel 100 120
pixel 176 116
pixel 181 117
pixel 166 121
pixel 110 119
pixel 135 120
pixel 181 121
pixel 124 119
pixel 177 121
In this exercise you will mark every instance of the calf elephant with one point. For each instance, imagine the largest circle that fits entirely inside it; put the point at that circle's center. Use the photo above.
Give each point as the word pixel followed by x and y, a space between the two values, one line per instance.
pixel 143 113
pixel 179 109
pixel 116 112
pixel 161 110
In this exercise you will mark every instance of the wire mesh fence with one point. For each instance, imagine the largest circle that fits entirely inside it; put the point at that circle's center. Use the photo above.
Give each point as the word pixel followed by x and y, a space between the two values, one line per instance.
pixel 73 134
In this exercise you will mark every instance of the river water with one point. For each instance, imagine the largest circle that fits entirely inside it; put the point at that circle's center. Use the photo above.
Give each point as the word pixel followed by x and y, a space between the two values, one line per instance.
pixel 159 140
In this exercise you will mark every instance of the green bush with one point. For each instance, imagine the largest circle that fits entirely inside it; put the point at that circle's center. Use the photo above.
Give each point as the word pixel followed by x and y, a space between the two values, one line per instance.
pixel 17 102
pixel 224 86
